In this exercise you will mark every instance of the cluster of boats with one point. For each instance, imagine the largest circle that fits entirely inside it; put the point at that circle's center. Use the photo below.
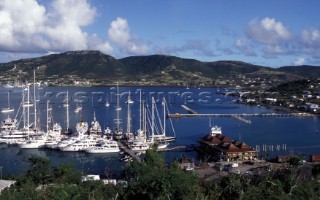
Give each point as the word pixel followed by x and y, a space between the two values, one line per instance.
pixel 87 137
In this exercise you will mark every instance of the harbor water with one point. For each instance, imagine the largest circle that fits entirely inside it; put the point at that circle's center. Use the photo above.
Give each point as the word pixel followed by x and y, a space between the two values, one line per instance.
pixel 297 134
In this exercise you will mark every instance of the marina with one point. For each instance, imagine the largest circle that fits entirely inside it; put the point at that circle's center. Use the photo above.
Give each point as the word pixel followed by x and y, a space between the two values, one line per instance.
pixel 187 129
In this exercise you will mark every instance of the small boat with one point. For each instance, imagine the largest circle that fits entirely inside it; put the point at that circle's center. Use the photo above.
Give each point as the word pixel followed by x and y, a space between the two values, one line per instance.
pixel 77 109
pixel 8 109
pixel 107 102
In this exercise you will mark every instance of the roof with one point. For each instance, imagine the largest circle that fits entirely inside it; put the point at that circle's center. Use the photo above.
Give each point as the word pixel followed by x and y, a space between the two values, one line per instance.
pixel 225 143
pixel 5 183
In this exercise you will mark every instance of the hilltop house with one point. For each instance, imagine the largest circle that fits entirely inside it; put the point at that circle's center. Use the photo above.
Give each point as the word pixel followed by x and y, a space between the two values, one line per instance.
pixel 222 147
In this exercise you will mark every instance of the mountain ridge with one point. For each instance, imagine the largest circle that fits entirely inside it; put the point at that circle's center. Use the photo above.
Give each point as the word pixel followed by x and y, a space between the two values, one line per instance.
pixel 157 68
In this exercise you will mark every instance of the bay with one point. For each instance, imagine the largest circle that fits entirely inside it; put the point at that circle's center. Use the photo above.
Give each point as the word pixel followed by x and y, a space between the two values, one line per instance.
pixel 300 135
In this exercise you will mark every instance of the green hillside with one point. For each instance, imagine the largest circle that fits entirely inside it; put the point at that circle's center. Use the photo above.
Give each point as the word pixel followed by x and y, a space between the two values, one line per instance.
pixel 154 69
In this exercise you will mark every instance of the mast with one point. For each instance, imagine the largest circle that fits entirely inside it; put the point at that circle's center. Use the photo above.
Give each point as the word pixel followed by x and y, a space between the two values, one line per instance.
pixel 152 118
pixel 47 116
pixel 118 109
pixel 144 120
pixel 34 100
pixel 140 117
pixel 129 116
pixel 23 109
pixel 28 110
pixel 164 115
pixel 67 109
pixel 9 100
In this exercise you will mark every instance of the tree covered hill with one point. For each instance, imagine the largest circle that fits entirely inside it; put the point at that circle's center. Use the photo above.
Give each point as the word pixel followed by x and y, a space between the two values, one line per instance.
pixel 158 68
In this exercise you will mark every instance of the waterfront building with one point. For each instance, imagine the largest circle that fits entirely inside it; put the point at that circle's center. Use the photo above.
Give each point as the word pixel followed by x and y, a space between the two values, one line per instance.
pixel 221 147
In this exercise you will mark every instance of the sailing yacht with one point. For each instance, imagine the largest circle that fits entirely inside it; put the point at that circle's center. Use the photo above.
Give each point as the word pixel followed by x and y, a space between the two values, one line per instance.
pixel 139 144
pixel 140 133
pixel 67 131
pixel 38 139
pixel 163 136
pixel 9 127
pixel 129 135
pixel 118 134
pixel 8 109
pixel 54 130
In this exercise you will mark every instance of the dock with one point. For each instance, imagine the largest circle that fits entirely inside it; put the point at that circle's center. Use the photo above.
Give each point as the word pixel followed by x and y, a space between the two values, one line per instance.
pixel 173 148
pixel 189 110
pixel 239 116
pixel 129 152
pixel 242 119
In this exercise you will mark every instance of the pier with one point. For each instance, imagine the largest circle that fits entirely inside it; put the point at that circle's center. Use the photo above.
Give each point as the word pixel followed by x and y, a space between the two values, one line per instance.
pixel 189 110
pixel 240 116
pixel 129 152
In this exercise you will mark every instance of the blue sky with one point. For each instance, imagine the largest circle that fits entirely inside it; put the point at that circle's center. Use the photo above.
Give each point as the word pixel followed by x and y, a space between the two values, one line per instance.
pixel 270 33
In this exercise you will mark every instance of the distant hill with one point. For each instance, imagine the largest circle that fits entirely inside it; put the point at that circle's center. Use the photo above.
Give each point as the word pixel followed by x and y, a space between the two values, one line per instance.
pixel 304 70
pixel 155 68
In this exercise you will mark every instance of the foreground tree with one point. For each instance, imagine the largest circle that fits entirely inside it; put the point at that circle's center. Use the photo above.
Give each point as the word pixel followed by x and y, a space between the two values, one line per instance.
pixel 154 180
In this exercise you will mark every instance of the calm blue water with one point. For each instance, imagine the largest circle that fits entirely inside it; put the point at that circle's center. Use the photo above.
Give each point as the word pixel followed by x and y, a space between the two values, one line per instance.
pixel 301 135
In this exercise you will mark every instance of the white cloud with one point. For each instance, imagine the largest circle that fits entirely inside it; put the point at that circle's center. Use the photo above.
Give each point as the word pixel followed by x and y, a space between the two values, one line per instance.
pixel 311 37
pixel 30 27
pixel 196 47
pixel 119 33
pixel 19 24
pixel 245 48
pixel 96 43
pixel 268 31
pixel 311 42
pixel 299 61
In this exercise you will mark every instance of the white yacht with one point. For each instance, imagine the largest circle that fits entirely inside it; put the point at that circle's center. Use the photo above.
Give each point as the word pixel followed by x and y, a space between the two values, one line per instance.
pixel 82 128
pixel 108 133
pixel 7 125
pixel 95 128
pixel 216 130
pixel 14 136
pixel 139 146
pixel 54 135
pixel 81 145
pixel 34 143
pixel 105 147
pixel 64 143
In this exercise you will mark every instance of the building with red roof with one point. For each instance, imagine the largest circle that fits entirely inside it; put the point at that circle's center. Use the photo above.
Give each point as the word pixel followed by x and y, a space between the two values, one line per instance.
pixel 222 147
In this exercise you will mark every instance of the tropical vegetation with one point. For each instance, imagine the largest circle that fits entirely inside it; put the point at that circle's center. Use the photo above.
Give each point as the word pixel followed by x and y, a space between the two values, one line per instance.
pixel 154 179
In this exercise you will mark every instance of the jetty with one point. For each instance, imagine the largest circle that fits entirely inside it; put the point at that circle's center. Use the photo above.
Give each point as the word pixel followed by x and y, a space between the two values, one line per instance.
pixel 240 116
pixel 189 110
pixel 174 148
pixel 129 152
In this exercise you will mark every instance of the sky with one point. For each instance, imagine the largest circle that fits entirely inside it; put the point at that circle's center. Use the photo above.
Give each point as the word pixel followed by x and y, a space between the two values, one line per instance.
pixel 270 33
